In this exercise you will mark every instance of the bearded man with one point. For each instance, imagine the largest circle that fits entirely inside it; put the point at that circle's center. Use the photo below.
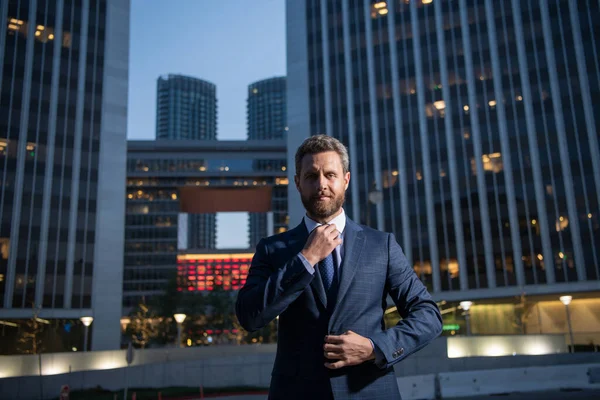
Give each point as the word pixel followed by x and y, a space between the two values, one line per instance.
pixel 328 280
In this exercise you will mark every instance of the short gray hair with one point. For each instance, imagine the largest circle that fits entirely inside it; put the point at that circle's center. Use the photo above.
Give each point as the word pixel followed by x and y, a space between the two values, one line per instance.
pixel 320 144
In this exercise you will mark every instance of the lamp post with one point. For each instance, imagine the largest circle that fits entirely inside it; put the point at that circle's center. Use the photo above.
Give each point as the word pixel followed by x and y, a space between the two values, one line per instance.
pixel 566 300
pixel 180 317
pixel 466 305
pixel 375 197
pixel 87 321
pixel 124 322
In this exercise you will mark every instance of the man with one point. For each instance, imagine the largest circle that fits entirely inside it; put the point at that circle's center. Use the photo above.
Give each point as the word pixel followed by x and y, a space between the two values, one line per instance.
pixel 327 280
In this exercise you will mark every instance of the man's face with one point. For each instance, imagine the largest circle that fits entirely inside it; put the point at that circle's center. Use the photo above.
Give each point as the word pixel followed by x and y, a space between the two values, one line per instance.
pixel 322 184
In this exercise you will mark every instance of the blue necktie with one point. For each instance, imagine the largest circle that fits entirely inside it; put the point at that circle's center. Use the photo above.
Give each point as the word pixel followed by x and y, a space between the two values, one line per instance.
pixel 328 271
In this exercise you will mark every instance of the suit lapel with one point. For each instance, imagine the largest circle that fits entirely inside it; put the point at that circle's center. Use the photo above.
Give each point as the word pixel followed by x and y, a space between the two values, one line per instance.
pixel 299 236
pixel 354 240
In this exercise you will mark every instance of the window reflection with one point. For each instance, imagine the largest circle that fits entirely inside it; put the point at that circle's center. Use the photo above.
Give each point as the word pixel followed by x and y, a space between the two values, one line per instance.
pixel 390 178
pixel 450 266
pixel 379 9
pixel 562 223
pixel 491 162
pixel 43 34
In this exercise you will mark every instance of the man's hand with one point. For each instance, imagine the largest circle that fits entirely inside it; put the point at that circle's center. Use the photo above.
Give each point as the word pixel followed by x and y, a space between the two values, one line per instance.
pixel 320 243
pixel 347 349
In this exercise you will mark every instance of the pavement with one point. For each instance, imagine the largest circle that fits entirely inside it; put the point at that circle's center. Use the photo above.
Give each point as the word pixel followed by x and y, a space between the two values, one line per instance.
pixel 593 394
pixel 546 395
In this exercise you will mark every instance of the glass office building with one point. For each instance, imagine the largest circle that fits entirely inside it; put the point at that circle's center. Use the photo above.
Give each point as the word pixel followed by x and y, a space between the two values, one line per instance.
pixel 63 112
pixel 167 181
pixel 186 109
pixel 266 114
pixel 476 121
pixel 266 109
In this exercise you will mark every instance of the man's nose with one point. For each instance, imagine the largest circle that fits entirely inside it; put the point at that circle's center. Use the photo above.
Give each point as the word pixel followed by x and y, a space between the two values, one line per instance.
pixel 322 182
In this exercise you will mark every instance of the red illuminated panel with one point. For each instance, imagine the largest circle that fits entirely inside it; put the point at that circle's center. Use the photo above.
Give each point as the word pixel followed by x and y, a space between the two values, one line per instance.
pixel 207 271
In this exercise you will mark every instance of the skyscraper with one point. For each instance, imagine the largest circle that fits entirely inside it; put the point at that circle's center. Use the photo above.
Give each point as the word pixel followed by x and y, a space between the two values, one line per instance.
pixel 472 129
pixel 63 118
pixel 266 115
pixel 266 109
pixel 186 109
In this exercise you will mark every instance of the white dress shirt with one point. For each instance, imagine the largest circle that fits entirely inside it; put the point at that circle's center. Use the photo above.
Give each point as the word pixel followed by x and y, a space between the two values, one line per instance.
pixel 340 224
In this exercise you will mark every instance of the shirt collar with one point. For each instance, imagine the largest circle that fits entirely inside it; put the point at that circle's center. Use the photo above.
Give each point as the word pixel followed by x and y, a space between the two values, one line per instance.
pixel 339 222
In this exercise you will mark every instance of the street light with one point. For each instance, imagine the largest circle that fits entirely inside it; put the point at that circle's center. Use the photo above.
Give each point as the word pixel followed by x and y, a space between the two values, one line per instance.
pixel 466 305
pixel 124 322
pixel 87 321
pixel 375 197
pixel 566 300
pixel 179 318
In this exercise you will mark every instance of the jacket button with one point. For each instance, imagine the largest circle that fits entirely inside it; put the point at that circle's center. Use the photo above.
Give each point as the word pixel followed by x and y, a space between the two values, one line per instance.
pixel 401 351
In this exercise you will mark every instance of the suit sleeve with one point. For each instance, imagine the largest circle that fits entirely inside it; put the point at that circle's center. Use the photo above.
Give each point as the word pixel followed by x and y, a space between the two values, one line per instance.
pixel 421 319
pixel 269 289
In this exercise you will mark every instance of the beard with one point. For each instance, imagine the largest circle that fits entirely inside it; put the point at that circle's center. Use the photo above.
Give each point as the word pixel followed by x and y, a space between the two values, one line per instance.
pixel 323 209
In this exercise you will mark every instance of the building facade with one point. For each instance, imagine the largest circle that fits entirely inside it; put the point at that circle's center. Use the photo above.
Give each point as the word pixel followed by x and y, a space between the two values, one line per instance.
pixel 266 109
pixel 167 181
pixel 186 109
pixel 63 118
pixel 266 116
pixel 473 133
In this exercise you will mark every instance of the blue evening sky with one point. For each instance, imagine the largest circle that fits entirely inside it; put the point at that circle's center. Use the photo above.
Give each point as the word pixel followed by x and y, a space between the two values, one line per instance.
pixel 230 43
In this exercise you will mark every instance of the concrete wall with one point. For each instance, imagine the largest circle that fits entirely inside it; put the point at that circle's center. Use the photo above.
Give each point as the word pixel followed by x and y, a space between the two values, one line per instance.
pixel 432 359
pixel 255 370
pixel 107 284
pixel 59 363
pixel 246 370
pixel 298 110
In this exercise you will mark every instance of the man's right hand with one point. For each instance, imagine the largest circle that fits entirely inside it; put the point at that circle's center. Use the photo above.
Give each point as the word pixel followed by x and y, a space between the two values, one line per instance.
pixel 320 243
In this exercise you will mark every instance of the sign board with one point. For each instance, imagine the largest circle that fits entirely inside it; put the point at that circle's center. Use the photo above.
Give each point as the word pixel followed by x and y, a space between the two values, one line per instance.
pixel 64 392
pixel 450 327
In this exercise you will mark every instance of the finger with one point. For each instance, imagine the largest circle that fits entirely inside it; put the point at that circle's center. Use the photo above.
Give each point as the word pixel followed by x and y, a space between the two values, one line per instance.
pixel 333 339
pixel 330 228
pixel 333 356
pixel 349 332
pixel 333 347
pixel 336 365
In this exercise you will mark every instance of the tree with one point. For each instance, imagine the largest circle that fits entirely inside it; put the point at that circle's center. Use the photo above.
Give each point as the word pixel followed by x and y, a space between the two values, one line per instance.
pixel 522 313
pixel 30 338
pixel 220 311
pixel 143 326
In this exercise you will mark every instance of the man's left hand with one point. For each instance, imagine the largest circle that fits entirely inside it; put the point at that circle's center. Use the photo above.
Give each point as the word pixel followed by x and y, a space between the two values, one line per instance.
pixel 347 349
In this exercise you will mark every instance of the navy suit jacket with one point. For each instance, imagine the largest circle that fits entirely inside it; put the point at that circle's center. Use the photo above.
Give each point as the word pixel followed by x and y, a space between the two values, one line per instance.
pixel 373 266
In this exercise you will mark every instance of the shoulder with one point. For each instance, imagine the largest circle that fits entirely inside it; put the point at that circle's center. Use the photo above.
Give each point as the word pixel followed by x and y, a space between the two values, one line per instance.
pixel 369 232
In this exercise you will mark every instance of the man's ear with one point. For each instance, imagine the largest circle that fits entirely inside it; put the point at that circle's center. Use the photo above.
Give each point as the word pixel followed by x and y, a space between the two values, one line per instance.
pixel 297 182
pixel 347 180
